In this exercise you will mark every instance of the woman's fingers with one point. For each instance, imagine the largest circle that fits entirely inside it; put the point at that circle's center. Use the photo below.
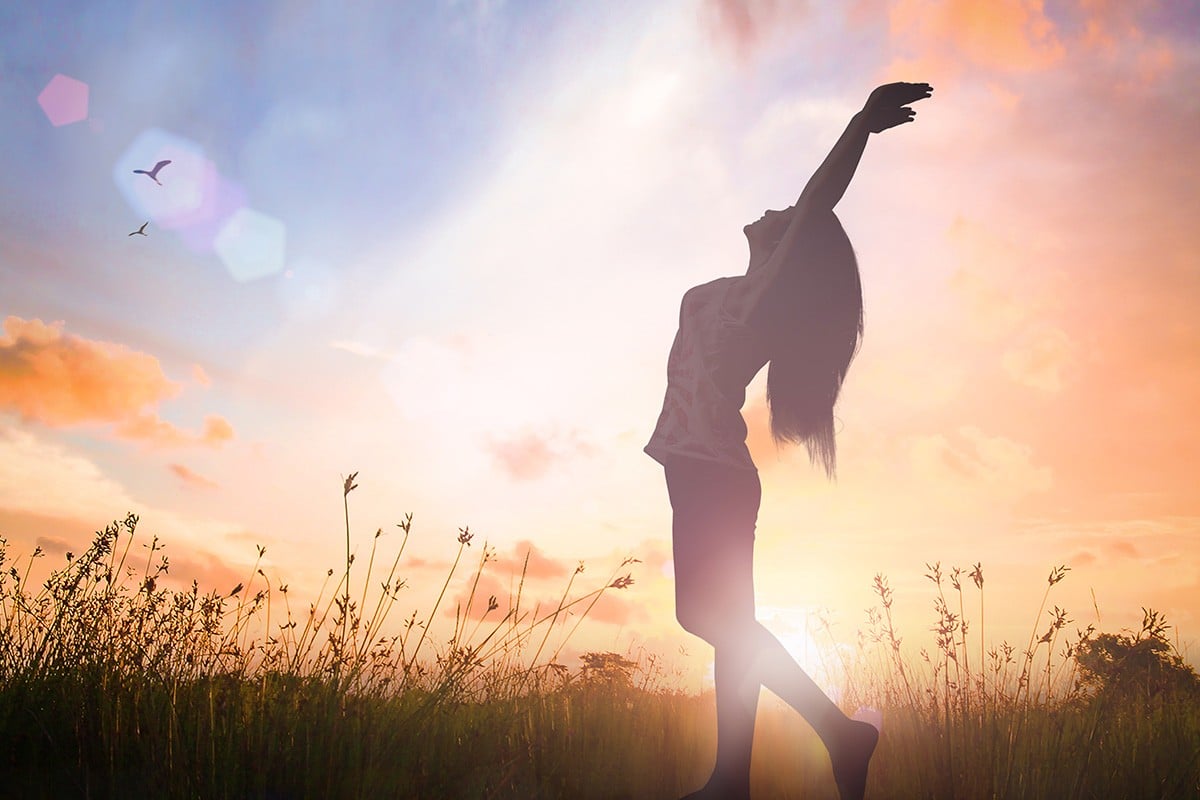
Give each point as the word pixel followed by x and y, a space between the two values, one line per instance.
pixel 885 118
pixel 900 94
pixel 888 106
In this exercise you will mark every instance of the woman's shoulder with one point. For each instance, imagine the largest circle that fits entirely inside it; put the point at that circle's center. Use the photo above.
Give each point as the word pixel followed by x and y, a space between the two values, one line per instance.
pixel 712 289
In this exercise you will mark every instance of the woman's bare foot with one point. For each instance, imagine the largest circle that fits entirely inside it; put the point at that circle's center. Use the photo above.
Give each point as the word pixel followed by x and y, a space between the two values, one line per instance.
pixel 850 756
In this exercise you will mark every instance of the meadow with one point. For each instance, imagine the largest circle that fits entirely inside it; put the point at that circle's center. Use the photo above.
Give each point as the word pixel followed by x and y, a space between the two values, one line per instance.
pixel 112 686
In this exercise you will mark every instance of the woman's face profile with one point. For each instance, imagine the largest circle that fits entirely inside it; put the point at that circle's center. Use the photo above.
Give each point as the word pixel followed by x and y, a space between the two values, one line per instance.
pixel 766 231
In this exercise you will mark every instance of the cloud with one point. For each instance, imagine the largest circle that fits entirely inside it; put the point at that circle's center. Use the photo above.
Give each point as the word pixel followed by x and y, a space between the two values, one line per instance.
pixel 538 565
pixel 615 609
pixel 1118 538
pixel 361 349
pixel 53 546
pixel 47 479
pixel 1083 558
pixel 209 571
pixel 1108 23
pixel 1040 359
pixel 989 280
pixel 479 595
pixel 191 478
pixel 793 120
pixel 48 482
pixel 944 37
pixel 746 25
pixel 149 428
pixel 530 455
pixel 972 461
pixel 200 376
pixel 60 379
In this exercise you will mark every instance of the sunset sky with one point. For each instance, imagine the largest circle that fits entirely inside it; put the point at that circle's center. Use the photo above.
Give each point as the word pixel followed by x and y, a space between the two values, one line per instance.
pixel 443 244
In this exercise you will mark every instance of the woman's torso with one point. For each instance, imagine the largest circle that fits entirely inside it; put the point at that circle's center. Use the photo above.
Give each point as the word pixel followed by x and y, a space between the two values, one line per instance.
pixel 712 360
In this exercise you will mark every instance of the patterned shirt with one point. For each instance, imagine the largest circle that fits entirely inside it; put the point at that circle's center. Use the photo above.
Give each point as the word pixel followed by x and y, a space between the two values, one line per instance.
pixel 713 358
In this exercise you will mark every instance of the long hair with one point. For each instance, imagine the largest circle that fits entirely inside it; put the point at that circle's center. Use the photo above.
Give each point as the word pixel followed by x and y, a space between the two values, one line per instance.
pixel 815 321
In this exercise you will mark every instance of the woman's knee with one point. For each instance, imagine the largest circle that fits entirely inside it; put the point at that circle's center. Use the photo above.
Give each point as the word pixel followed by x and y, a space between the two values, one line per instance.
pixel 713 624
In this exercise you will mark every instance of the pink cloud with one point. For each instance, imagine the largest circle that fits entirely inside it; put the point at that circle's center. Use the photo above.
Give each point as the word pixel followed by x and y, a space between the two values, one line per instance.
pixel 530 455
pixel 191 478
pixel 538 565
pixel 746 25
pixel 613 608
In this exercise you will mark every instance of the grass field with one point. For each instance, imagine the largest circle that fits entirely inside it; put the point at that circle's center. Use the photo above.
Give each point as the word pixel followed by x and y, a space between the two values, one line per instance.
pixel 113 686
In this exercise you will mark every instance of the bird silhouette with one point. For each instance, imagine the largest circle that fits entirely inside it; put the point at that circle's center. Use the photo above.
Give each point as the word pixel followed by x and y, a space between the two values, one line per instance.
pixel 152 174
pixel 141 230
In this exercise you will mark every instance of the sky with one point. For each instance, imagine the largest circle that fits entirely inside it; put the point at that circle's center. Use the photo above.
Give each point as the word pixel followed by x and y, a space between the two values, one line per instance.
pixel 442 245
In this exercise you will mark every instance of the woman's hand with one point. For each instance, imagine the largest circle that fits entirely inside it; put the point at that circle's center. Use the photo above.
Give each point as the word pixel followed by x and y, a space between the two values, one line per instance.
pixel 887 106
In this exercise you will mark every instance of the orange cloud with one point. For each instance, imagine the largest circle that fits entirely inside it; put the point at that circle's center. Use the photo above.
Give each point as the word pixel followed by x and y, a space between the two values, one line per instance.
pixel 149 428
pixel 191 478
pixel 59 379
pixel 488 587
pixel 200 376
pixel 210 572
pixel 939 38
pixel 216 430
pixel 615 609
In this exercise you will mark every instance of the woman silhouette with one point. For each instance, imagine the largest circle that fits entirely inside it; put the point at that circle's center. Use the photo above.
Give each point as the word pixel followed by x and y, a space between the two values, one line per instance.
pixel 799 308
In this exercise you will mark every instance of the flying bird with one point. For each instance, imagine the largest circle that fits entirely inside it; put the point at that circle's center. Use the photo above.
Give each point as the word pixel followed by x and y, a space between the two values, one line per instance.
pixel 141 230
pixel 153 173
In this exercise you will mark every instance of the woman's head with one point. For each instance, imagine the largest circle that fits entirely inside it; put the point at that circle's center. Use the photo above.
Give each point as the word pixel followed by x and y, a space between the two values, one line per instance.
pixel 765 232
pixel 814 322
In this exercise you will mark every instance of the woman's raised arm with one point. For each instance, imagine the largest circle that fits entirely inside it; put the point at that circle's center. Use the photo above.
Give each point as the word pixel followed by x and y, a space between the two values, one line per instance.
pixel 886 108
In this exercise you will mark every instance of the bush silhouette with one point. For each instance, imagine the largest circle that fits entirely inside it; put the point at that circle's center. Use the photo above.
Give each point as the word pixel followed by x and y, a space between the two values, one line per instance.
pixel 1136 666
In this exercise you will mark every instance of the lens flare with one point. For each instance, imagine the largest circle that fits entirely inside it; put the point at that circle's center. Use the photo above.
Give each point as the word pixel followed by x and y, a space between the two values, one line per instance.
pixel 64 100
pixel 251 245
pixel 192 198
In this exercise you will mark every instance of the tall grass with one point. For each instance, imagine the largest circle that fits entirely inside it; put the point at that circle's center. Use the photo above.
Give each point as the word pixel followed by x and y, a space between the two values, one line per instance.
pixel 113 685
pixel 1021 724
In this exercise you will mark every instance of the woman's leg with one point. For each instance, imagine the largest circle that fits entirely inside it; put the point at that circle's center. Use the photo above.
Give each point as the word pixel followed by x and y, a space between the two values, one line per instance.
pixel 713 543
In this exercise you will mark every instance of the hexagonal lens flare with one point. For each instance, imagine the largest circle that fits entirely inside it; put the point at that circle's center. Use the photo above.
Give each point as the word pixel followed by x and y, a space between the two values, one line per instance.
pixel 177 193
pixel 251 245
pixel 64 100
